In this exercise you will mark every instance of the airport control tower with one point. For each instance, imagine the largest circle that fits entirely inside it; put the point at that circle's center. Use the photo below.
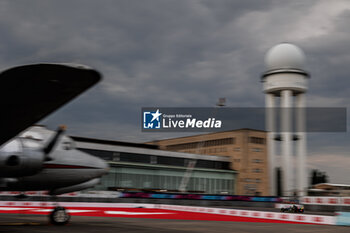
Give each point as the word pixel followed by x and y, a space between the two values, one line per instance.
pixel 285 83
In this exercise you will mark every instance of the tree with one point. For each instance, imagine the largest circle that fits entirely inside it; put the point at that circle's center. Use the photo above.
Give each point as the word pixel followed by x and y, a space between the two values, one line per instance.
pixel 279 181
pixel 318 177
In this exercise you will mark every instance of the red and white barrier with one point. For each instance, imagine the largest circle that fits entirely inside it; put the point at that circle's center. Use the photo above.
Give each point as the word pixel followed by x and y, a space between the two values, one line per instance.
pixel 75 204
pixel 304 218
pixel 287 217
pixel 340 201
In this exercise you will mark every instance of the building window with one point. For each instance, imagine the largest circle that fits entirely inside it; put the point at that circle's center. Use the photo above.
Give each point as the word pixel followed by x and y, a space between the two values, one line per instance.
pixel 258 181
pixel 223 149
pixel 103 154
pixel 153 159
pixel 116 156
pixel 205 163
pixel 251 187
pixel 257 160
pixel 257 170
pixel 165 160
pixel 208 143
pixel 134 158
pixel 237 149
pixel 257 140
pixel 222 165
pixel 257 149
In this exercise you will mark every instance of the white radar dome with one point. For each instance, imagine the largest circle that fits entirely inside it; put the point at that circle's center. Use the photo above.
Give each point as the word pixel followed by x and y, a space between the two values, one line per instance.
pixel 285 56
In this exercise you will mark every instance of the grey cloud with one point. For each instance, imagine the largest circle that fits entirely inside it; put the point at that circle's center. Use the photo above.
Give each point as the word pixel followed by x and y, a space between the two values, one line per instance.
pixel 176 54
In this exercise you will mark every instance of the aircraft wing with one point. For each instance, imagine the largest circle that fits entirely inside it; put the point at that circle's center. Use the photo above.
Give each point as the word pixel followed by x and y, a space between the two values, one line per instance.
pixel 31 92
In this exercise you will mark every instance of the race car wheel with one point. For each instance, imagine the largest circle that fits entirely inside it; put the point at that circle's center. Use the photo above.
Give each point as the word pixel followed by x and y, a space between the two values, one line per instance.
pixel 59 216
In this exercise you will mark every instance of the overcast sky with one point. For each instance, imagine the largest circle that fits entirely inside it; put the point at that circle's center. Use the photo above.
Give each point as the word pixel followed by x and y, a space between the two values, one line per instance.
pixel 182 53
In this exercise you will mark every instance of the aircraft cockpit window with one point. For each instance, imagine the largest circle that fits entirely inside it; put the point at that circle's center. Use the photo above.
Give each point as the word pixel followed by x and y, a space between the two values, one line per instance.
pixel 32 136
pixel 31 143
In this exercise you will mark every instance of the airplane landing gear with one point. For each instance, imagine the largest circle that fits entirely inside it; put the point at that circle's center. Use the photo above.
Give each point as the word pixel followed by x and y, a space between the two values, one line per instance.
pixel 59 216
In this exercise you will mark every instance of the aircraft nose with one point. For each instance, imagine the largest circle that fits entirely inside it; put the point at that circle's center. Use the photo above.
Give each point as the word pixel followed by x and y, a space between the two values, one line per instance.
pixel 102 165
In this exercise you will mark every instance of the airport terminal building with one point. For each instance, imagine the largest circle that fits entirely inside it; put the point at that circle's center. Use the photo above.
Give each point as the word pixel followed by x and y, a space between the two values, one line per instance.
pixel 136 166
pixel 246 149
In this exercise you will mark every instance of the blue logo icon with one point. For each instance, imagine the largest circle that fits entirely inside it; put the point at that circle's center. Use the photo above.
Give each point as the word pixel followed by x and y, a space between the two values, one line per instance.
pixel 151 120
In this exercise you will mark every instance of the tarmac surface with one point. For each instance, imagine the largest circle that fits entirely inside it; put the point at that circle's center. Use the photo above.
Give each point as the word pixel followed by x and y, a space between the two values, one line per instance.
pixel 326 213
pixel 84 224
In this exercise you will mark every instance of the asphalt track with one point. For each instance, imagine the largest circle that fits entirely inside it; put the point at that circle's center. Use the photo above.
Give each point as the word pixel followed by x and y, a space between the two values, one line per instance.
pixel 13 223
pixel 275 210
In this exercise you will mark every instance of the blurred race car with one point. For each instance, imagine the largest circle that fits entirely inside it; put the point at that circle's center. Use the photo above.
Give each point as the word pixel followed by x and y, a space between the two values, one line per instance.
pixel 293 209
